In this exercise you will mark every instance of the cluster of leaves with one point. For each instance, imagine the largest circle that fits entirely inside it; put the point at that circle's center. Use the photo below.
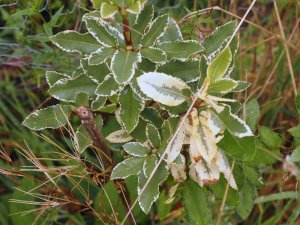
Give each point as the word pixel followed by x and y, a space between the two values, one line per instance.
pixel 173 101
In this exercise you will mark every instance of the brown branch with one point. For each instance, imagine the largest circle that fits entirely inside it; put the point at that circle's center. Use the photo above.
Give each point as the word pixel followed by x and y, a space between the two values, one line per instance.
pixel 88 121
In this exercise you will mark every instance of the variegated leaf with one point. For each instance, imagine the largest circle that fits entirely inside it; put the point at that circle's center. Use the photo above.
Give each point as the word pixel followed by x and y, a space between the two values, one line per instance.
pixel 180 50
pixel 98 103
pixel 72 41
pixel 213 42
pixel 218 67
pixel 99 32
pixel 149 165
pixel 163 88
pixel 96 73
pixel 119 136
pixel 222 86
pixel 50 117
pixel 187 71
pixel 135 8
pixel 108 10
pixel 123 65
pixel 128 167
pixel 172 33
pixel 67 89
pixel 156 30
pixel 208 173
pixel 143 21
pixel 100 55
pixel 151 192
pixel 233 123
pixel 83 138
pixel 131 106
pixel 52 77
pixel 136 149
pixel 174 151
pixel 108 87
pixel 153 135
pixel 224 168
pixel 177 169
pixel 155 55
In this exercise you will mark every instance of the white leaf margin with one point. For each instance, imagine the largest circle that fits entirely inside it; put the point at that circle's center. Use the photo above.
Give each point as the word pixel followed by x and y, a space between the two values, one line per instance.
pixel 36 112
pixel 119 136
pixel 133 68
pixel 155 197
pixel 148 28
pixel 161 80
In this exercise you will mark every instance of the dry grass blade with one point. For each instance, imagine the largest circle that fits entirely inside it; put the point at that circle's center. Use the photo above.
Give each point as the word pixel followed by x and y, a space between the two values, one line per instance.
pixel 288 56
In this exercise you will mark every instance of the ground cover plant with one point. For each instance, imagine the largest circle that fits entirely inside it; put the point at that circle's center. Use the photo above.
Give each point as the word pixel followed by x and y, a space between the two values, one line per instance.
pixel 151 124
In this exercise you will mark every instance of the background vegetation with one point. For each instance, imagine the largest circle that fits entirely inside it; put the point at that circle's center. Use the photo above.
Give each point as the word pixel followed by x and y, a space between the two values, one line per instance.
pixel 268 58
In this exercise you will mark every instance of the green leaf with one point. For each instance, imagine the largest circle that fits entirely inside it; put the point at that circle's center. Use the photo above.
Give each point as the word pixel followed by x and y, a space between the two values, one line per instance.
pixel 72 41
pixel 152 115
pixel 297 103
pixel 186 71
pixel 52 77
pixel 252 112
pixel 213 42
pixel 162 88
pixel 98 103
pixel 135 8
pixel 131 107
pixel 99 32
pixel 107 10
pixel 151 192
pixel 149 165
pixel 241 86
pixel 238 148
pixel 96 3
pixel 109 201
pixel 295 131
pixel 172 33
pixel 218 67
pixel 295 156
pixel 26 185
pixel 143 20
pixel 136 149
pixel 83 138
pixel 222 86
pixel 233 123
pixel 97 73
pixel 108 87
pixel 246 200
pixel 101 55
pixel 263 155
pixel 139 133
pixel 153 135
pixel 123 65
pixel 270 138
pixel 50 117
pixel 119 136
pixel 156 30
pixel 67 89
pixel 180 50
pixel 196 204
pixel 128 167
pixel 156 55
pixel 82 99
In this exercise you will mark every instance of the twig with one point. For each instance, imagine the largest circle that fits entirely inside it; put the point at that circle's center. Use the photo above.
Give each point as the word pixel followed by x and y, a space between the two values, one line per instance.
pixel 288 57
pixel 88 121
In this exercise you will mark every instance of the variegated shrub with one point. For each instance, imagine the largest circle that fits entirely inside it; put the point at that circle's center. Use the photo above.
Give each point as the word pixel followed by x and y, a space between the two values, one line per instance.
pixel 171 103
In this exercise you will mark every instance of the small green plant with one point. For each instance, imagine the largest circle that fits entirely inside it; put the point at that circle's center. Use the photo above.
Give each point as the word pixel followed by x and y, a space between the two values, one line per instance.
pixel 171 100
